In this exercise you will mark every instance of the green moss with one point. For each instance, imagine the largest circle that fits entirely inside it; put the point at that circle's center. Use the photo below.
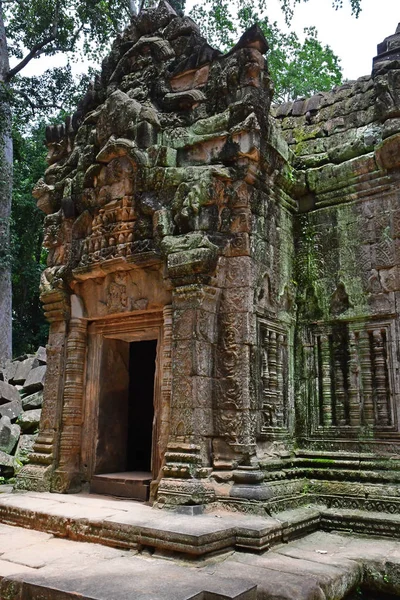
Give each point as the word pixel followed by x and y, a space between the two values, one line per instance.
pixel 324 461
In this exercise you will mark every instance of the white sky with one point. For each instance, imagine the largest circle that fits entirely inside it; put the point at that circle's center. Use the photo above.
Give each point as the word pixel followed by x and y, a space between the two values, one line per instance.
pixel 353 40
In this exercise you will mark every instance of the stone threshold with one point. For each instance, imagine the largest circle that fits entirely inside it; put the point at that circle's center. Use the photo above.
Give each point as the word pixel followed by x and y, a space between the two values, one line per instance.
pixel 131 525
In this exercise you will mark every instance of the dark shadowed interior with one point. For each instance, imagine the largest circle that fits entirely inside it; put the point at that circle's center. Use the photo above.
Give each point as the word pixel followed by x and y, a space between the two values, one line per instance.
pixel 142 361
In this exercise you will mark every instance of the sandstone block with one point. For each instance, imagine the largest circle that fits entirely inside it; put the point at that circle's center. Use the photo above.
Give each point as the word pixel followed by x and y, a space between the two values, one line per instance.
pixel 11 409
pixel 387 153
pixel 7 465
pixel 25 447
pixel 33 401
pixel 41 355
pixel 9 435
pixel 29 420
pixel 8 393
pixel 35 379
pixel 9 370
pixel 23 369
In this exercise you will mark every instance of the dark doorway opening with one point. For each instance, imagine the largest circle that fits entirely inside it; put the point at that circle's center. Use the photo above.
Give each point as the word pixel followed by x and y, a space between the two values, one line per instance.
pixel 126 415
pixel 142 366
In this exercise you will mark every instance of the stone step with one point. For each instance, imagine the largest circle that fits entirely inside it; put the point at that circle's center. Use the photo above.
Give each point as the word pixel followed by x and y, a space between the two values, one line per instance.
pixel 122 523
pixel 128 524
pixel 37 565
pixel 135 485
pixel 319 566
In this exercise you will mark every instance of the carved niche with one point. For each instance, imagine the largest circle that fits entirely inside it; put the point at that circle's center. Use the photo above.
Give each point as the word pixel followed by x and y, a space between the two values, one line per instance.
pixel 112 232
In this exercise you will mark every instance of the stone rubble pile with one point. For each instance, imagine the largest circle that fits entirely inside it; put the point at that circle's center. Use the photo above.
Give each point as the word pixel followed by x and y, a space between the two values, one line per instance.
pixel 21 398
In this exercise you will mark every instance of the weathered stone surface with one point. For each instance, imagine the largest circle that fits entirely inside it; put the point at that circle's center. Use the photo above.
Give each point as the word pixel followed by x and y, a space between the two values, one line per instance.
pixel 29 420
pixel 9 435
pixel 11 409
pixel 8 393
pixel 320 565
pixel 25 447
pixel 35 380
pixel 260 248
pixel 33 401
pixel 24 368
pixel 41 355
pixel 9 370
pixel 7 465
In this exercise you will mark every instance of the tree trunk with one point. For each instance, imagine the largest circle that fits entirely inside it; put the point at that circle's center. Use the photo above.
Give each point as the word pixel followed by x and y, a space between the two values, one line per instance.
pixel 6 152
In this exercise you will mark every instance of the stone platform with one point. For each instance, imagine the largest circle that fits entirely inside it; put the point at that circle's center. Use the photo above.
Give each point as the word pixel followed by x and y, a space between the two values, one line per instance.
pixel 158 554
pixel 131 525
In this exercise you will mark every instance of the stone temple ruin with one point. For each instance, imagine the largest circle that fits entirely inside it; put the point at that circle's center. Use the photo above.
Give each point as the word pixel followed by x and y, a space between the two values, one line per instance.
pixel 223 282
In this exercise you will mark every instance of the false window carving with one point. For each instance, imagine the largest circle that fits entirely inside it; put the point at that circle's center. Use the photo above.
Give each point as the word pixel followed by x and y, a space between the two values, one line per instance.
pixel 354 367
pixel 273 377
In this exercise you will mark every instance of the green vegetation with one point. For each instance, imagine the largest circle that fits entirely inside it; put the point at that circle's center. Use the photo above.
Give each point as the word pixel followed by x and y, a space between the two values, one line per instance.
pixel 297 68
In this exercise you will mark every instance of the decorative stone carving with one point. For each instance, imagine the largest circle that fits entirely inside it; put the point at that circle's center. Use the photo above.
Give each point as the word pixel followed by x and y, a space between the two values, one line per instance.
pixel 274 377
pixel 68 472
pixel 360 362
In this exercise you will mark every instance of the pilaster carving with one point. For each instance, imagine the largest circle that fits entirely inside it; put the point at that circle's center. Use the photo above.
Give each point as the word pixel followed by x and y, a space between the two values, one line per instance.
pixel 187 459
pixel 37 474
pixel 67 474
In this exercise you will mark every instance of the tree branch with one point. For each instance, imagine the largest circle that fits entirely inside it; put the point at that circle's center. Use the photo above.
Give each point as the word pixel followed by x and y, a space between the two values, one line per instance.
pixel 37 48
pixel 32 54
pixel 37 106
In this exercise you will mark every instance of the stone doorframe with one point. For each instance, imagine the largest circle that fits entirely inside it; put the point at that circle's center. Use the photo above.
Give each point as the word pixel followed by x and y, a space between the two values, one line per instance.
pixel 143 326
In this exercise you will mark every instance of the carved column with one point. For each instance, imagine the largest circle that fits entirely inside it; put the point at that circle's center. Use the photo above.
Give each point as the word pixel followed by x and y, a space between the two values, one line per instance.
pixel 381 390
pixel 340 394
pixel 366 378
pixel 38 473
pixel 163 418
pixel 280 365
pixel 273 382
pixel 326 381
pixel 67 475
pixel 354 382
pixel 187 459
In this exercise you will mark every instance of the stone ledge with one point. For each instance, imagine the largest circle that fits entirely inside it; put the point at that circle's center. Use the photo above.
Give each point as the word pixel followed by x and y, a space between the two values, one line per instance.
pixel 323 566
pixel 131 525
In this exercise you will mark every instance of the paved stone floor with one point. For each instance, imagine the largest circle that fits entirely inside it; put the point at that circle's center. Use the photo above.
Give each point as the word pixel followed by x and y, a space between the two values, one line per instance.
pixel 321 566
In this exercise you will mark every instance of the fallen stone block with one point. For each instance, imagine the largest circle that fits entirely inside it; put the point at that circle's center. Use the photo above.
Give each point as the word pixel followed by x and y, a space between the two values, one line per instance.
pixel 7 465
pixel 41 355
pixel 9 435
pixel 33 401
pixel 25 447
pixel 23 370
pixel 9 370
pixel 29 420
pixel 11 409
pixel 35 379
pixel 8 393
